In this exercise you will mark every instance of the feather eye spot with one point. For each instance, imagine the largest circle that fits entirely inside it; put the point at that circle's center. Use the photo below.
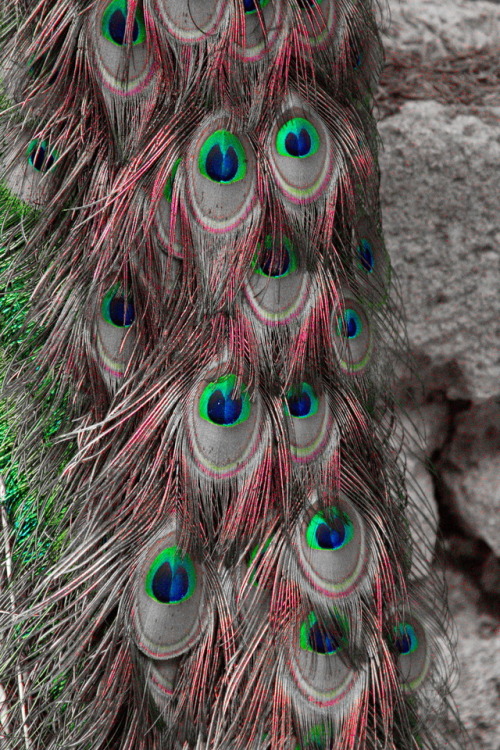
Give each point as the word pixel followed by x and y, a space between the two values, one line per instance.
pixel 405 638
pixel 371 262
pixel 302 401
pixel 226 429
pixel 366 257
pixel 221 167
pixel 250 6
pixel 263 25
pixel 278 290
pixel 220 404
pixel 413 648
pixel 114 24
pixel 317 662
pixel 297 138
pixel 222 158
pixel 40 157
pixel 115 333
pixel 352 336
pixel 330 530
pixel 220 177
pixel 310 423
pixel 116 27
pixel 275 262
pixel 270 265
pixel 121 313
pixel 334 548
pixel 301 152
pixel 117 310
pixel 169 601
pixel 171 579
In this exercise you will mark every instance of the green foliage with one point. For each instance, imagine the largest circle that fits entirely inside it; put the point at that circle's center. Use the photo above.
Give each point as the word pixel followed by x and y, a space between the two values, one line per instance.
pixel 29 515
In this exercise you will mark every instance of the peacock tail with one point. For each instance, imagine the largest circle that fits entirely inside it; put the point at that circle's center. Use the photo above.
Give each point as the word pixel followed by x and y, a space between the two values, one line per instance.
pixel 207 538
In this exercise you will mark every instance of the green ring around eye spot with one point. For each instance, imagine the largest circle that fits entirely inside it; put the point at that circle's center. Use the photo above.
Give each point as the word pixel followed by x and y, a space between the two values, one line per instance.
pixel 123 6
pixel 34 145
pixel 226 385
pixel 349 319
pixel 105 307
pixel 311 621
pixel 262 4
pixel 406 631
pixel 269 241
pixel 323 518
pixel 224 140
pixel 296 391
pixel 172 556
pixel 296 125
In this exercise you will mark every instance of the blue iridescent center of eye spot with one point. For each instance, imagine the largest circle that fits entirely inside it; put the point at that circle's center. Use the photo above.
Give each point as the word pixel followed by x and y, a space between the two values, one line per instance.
pixel 170 585
pixel 366 257
pixel 406 639
pixel 223 410
pixel 351 326
pixel 121 313
pixel 275 262
pixel 221 167
pixel 38 158
pixel 298 144
pixel 321 641
pixel 357 60
pixel 117 25
pixel 299 404
pixel 331 535
pixel 356 54
pixel 250 6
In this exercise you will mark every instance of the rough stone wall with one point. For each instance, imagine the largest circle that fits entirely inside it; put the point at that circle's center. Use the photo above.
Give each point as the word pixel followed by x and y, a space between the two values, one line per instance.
pixel 439 110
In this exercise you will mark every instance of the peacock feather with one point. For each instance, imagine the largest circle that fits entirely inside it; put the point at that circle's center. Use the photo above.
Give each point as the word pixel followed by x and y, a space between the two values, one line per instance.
pixel 207 538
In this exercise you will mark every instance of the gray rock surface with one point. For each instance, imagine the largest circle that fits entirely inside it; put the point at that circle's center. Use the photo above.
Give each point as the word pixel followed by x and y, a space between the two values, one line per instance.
pixel 440 109
pixel 478 691
pixel 438 28
pixel 490 575
pixel 471 472
pixel 441 203
pixel 439 189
